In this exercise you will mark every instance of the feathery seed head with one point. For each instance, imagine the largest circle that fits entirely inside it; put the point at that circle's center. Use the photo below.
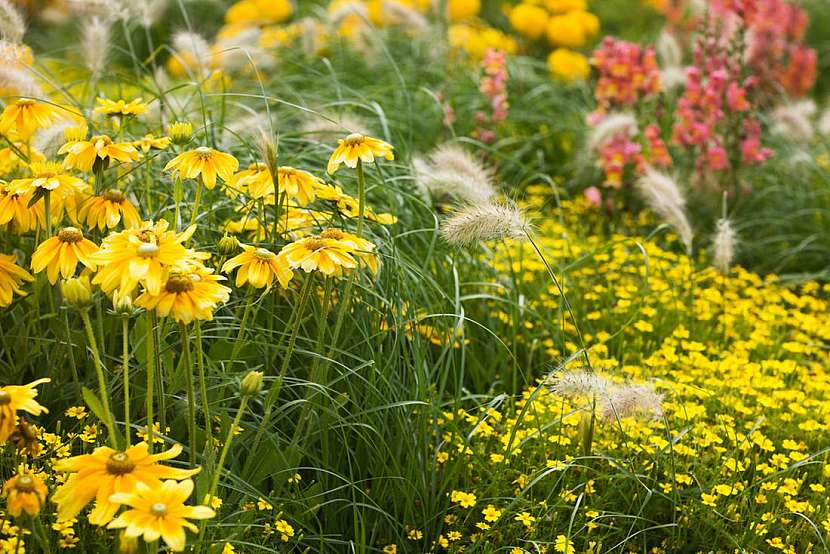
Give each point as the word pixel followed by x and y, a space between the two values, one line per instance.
pixel 664 197
pixel 474 224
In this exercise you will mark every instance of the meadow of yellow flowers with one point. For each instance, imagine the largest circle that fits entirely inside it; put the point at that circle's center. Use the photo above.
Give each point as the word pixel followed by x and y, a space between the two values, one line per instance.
pixel 409 276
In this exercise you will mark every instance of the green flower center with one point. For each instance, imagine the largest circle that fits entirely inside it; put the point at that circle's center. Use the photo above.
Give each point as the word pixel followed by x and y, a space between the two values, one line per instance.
pixel 354 138
pixel 147 250
pixel 113 195
pixel 264 255
pixel 120 464
pixel 70 235
pixel 158 509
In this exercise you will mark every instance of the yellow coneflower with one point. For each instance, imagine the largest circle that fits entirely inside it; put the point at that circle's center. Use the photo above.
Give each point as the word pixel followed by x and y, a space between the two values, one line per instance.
pixel 108 210
pixel 160 512
pixel 255 181
pixel 150 142
pixel 61 254
pixel 248 226
pixel 203 162
pixel 121 108
pixel 12 277
pixel 350 207
pixel 187 296
pixel 96 152
pixel 142 255
pixel 363 249
pixel 326 255
pixel 358 147
pixel 14 398
pixel 298 184
pixel 48 176
pixel 25 492
pixel 15 209
pixel 23 117
pixel 107 471
pixel 259 267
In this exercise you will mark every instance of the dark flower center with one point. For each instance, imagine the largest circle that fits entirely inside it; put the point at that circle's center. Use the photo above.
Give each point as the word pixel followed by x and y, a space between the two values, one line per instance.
pixel 120 464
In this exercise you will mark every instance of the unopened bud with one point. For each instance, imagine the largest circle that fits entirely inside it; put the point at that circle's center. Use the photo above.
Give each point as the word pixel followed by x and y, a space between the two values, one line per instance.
pixel 251 383
pixel 228 245
pixel 180 132
pixel 122 304
pixel 77 292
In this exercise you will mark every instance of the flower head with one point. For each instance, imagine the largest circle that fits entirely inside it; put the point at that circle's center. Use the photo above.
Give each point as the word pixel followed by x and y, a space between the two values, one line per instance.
pixel 48 177
pixel 61 254
pixel 77 292
pixel 150 142
pixel 12 277
pixel 107 471
pixel 203 162
pixel 187 295
pixel 23 117
pixel 180 132
pixel 358 147
pixel 121 108
pixel 14 398
pixel 159 511
pixel 259 267
pixel 330 256
pixel 475 224
pixel 107 210
pixel 15 209
pixel 25 492
pixel 144 255
pixel 98 151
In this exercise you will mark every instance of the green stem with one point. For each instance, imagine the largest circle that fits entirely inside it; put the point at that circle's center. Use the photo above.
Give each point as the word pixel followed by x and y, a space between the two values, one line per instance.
pixel 191 392
pixel 125 367
pixel 197 201
pixel 102 383
pixel 47 212
pixel 200 363
pixel 361 197
pixel 72 365
pixel 149 339
pixel 237 346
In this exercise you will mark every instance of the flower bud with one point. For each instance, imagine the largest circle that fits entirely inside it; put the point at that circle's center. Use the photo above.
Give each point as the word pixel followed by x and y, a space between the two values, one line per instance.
pixel 76 133
pixel 122 304
pixel 77 292
pixel 228 245
pixel 251 383
pixel 180 132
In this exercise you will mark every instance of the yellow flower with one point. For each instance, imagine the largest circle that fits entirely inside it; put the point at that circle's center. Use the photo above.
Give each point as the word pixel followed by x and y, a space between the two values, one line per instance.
pixel 180 132
pixel 187 296
pixel 23 117
pixel 463 499
pixel 326 255
pixel 350 207
pixel 15 209
pixel 149 142
pixel 107 210
pixel 258 267
pixel 255 181
pixel 358 147
pixel 11 277
pixel 14 398
pixel 459 10
pixel 47 176
pixel 25 492
pixel 566 30
pixel 564 545
pixel 107 471
pixel 529 20
pixel 144 255
pixel 113 107
pixel 258 12
pixel 205 162
pixel 491 513
pixel 61 254
pixel 525 518
pixel 285 529
pixel 567 64
pixel 159 511
pixel 298 184
pixel 97 152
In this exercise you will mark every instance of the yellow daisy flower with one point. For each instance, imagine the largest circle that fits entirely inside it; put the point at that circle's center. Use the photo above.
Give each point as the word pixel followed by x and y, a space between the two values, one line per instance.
pixel 150 142
pixel 48 176
pixel 259 267
pixel 187 296
pixel 14 398
pixel 298 184
pixel 159 512
pixel 362 248
pixel 350 207
pixel 107 211
pixel 25 492
pixel 143 255
pixel 61 254
pixel 23 117
pixel 358 147
pixel 12 277
pixel 119 107
pixel 106 472
pixel 205 162
pixel 255 181
pixel 326 255
pixel 98 151
pixel 15 209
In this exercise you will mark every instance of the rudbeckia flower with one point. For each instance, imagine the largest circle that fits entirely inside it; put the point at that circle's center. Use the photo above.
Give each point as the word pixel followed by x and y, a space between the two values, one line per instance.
pixel 326 255
pixel 15 209
pixel 159 512
pixel 14 398
pixel 362 248
pixel 255 181
pixel 358 147
pixel 298 184
pixel 187 295
pixel 11 277
pixel 144 255
pixel 61 254
pixel 205 162
pixel 48 178
pixel 258 267
pixel 25 116
pixel 107 211
pixel 107 471
pixel 350 207
pixel 119 107
pixel 149 142
pixel 25 492
pixel 98 150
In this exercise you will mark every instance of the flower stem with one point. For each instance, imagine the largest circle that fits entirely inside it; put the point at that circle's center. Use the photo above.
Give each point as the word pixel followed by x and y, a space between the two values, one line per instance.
pixel 200 363
pixel 197 201
pixel 125 367
pixel 191 392
pixel 102 383
pixel 149 339
pixel 361 197
pixel 47 213
pixel 237 346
